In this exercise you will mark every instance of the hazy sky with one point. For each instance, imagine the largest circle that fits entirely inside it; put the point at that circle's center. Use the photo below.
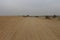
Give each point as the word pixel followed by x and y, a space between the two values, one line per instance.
pixel 31 7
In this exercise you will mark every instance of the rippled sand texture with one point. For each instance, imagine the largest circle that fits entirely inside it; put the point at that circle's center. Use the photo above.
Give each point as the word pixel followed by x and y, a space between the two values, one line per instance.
pixel 29 28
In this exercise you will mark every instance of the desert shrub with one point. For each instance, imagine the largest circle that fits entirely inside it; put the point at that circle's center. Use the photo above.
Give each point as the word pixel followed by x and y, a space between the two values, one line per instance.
pixel 47 17
pixel 54 16
pixel 36 16
pixel 27 15
pixel 58 18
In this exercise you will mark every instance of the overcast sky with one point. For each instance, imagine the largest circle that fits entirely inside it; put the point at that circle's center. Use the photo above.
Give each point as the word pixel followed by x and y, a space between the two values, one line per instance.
pixel 31 7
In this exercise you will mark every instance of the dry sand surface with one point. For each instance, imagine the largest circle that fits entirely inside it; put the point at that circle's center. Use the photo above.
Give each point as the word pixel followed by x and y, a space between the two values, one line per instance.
pixel 29 28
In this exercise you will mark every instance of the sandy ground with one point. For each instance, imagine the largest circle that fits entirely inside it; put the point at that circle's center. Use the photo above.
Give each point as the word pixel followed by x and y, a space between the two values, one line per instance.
pixel 29 28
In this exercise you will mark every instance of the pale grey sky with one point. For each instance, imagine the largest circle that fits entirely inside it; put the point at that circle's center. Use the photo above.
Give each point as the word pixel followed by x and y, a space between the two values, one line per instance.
pixel 31 7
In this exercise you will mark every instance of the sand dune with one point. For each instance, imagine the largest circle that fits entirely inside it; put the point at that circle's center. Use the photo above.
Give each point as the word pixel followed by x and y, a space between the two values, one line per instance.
pixel 29 28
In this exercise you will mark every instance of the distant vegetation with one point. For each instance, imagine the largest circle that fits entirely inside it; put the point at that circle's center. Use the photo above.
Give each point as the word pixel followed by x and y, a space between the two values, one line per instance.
pixel 46 17
pixel 58 18
pixel 54 16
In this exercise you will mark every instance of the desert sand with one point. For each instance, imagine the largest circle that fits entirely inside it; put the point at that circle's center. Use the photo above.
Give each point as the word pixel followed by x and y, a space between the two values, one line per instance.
pixel 29 28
